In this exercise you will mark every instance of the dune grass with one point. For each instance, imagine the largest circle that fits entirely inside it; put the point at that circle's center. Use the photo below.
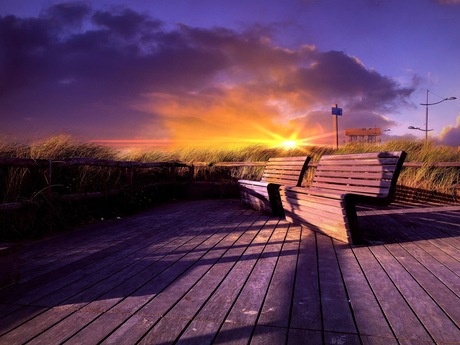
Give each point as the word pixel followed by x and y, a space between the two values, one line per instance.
pixel 20 184
pixel 60 147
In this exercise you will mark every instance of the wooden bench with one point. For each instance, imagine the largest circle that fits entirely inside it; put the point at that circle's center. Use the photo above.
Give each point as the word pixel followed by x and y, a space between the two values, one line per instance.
pixel 264 194
pixel 340 182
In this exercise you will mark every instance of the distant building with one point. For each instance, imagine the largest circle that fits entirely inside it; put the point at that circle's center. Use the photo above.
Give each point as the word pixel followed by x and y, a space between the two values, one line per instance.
pixel 362 135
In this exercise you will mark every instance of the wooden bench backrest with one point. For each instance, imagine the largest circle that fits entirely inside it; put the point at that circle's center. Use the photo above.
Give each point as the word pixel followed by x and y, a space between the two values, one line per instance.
pixel 287 171
pixel 367 174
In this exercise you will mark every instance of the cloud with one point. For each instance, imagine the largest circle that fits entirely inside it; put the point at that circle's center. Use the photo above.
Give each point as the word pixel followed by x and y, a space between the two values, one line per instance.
pixel 123 74
pixel 69 14
pixel 450 135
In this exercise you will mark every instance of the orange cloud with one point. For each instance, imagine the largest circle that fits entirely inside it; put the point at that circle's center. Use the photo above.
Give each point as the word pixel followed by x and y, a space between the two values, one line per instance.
pixel 227 115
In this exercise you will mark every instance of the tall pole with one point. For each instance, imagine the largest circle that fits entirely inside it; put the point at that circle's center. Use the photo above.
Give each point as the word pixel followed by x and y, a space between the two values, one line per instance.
pixel 336 132
pixel 426 130
pixel 336 111
pixel 426 117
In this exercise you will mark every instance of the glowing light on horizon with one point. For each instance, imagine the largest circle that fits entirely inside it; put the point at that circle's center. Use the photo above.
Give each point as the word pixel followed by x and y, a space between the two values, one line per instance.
pixel 261 136
pixel 289 144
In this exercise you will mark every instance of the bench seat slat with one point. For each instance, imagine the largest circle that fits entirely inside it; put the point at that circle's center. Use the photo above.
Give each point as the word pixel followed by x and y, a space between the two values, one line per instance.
pixel 273 177
pixel 283 181
pixel 281 169
pixel 381 155
pixel 367 162
pixel 291 173
pixel 359 175
pixel 286 160
pixel 376 169
pixel 361 181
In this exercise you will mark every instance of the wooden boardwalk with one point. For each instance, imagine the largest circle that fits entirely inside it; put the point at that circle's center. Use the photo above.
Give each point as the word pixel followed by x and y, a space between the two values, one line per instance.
pixel 214 272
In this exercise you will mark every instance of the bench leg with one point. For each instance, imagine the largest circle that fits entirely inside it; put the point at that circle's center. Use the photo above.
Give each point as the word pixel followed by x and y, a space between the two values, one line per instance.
pixel 275 199
pixel 356 234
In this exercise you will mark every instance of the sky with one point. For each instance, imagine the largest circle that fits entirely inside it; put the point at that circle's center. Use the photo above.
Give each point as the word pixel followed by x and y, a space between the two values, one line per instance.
pixel 217 73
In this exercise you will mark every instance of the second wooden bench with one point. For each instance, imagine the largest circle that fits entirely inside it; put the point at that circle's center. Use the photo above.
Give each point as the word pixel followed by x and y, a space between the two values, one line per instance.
pixel 264 194
pixel 341 182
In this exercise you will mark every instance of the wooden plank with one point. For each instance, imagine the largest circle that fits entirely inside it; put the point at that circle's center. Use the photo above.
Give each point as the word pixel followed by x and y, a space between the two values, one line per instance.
pixel 402 319
pixel 276 308
pixel 353 189
pixel 356 169
pixel 438 324
pixel 442 272
pixel 306 304
pixel 264 335
pixel 287 159
pixel 283 181
pixel 372 340
pixel 319 193
pixel 10 318
pixel 336 312
pixel 277 173
pixel 302 336
pixel 438 235
pixel 369 317
pixel 358 175
pixel 64 329
pixel 36 325
pixel 358 182
pixel 382 155
pixel 95 332
pixel 334 338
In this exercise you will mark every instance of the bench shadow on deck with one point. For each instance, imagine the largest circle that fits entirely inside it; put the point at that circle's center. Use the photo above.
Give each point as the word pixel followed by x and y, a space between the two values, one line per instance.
pixel 212 271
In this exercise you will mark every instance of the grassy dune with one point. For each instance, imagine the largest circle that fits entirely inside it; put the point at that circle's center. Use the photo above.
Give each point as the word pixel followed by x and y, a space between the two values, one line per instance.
pixel 427 177
pixel 17 184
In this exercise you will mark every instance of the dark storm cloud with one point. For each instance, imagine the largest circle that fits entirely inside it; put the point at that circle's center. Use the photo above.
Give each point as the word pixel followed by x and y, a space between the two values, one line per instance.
pixel 116 73
pixel 335 75
pixel 127 23
pixel 67 14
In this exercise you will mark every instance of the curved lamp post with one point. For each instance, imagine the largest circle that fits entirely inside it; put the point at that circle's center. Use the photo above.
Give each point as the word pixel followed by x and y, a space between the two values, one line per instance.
pixel 426 130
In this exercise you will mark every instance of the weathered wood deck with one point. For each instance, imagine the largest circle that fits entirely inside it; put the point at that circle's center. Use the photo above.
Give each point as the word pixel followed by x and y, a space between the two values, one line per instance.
pixel 200 272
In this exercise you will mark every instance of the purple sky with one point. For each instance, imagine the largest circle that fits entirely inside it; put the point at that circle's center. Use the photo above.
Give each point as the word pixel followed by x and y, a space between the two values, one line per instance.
pixel 227 71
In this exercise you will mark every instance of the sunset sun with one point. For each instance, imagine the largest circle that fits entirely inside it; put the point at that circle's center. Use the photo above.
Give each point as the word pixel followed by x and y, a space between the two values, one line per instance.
pixel 289 144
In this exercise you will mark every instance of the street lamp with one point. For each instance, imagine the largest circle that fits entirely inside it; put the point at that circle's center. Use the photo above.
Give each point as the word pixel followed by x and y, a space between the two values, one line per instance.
pixel 426 130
